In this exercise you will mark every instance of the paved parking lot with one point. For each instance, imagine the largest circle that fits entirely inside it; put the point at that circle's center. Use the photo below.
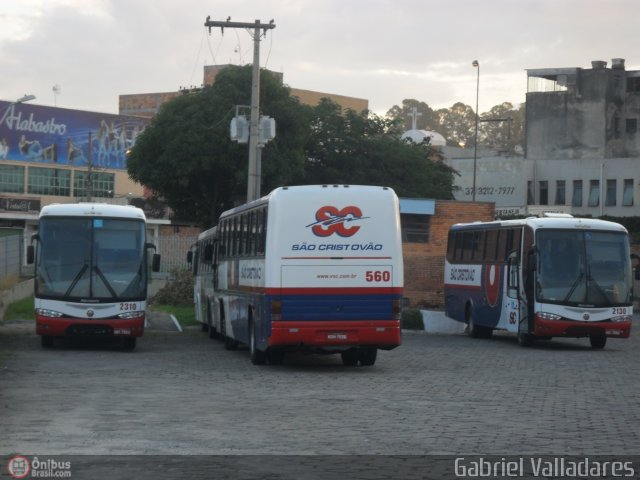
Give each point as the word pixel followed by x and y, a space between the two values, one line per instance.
pixel 182 393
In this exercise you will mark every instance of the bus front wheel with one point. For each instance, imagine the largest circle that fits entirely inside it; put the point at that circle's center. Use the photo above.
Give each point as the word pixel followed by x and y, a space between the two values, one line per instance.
pixel 46 341
pixel 598 341
pixel 525 339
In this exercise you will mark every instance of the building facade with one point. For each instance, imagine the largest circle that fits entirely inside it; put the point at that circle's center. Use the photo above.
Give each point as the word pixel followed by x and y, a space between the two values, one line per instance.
pixel 582 148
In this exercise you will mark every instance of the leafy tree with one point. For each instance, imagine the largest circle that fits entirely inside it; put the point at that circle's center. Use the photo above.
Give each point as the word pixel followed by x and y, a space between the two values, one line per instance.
pixel 366 149
pixel 186 156
pixel 502 127
pixel 427 119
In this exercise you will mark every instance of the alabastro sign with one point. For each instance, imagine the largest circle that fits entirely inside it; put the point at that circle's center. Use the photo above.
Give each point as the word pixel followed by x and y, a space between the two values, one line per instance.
pixel 38 134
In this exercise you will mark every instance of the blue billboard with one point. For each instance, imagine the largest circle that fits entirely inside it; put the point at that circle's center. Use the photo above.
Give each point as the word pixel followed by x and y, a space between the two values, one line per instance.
pixel 49 135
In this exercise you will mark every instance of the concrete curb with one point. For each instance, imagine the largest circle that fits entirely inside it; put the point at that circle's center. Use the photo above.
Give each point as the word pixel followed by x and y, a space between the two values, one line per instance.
pixel 436 321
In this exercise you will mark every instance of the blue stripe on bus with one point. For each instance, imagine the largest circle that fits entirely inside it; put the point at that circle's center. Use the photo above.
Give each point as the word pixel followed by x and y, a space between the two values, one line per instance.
pixel 336 307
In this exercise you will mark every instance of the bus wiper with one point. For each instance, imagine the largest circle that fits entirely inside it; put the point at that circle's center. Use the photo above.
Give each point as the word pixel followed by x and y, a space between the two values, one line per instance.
pixel 76 279
pixel 574 286
pixel 600 290
pixel 105 281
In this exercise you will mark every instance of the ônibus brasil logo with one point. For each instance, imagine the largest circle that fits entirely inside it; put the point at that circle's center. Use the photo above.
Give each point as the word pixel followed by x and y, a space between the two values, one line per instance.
pixel 330 220
pixel 19 466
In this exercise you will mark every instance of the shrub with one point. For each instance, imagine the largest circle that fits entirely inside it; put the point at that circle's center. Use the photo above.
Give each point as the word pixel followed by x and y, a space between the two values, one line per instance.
pixel 412 320
pixel 177 291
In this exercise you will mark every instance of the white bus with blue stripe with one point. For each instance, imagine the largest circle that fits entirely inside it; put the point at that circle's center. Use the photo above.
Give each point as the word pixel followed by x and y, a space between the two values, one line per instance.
pixel 309 268
pixel 555 276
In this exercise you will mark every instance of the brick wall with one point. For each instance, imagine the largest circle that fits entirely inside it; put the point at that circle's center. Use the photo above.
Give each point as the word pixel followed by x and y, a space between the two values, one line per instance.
pixel 424 262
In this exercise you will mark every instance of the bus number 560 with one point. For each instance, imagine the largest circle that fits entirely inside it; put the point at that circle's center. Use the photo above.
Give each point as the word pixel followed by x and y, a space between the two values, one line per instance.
pixel 378 276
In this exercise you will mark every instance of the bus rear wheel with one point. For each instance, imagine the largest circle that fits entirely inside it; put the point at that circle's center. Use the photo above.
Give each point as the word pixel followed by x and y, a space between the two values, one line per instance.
pixel 367 356
pixel 258 357
pixel 350 357
pixel 476 331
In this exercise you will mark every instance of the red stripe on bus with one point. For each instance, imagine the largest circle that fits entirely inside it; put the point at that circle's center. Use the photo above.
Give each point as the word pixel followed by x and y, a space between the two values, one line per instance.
pixel 335 291
pixel 337 258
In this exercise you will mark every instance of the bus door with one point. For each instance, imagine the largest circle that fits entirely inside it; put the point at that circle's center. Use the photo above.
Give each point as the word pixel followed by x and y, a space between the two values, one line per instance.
pixel 514 301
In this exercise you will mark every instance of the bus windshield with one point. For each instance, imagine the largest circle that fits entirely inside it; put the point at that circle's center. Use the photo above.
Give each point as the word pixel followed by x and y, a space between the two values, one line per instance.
pixel 583 268
pixel 91 258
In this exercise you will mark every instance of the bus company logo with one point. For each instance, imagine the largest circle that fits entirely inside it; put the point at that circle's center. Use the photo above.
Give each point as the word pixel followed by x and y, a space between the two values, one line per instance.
pixel 492 284
pixel 19 466
pixel 330 220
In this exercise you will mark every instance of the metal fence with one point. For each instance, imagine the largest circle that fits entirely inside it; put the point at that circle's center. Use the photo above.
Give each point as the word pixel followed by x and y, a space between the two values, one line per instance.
pixel 173 251
pixel 11 256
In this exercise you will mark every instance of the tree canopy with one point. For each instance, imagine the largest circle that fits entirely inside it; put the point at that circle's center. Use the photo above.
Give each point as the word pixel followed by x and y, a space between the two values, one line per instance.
pixel 501 128
pixel 186 156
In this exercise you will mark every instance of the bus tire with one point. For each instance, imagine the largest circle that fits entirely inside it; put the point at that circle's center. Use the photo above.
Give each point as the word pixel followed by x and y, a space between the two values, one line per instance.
pixel 275 356
pixel 258 357
pixel 204 327
pixel 350 357
pixel 525 339
pixel 46 341
pixel 598 341
pixel 129 343
pixel 367 356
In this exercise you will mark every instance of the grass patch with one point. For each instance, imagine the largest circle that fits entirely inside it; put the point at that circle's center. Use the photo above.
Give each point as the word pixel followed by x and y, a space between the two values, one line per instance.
pixel 185 314
pixel 20 310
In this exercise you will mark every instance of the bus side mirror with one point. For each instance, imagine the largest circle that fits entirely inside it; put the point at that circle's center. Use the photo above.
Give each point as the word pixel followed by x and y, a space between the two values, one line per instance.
pixel 189 256
pixel 637 267
pixel 155 262
pixel 31 254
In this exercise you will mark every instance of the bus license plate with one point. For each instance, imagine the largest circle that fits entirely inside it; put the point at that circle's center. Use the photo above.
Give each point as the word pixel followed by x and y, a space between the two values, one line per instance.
pixel 337 336
pixel 122 331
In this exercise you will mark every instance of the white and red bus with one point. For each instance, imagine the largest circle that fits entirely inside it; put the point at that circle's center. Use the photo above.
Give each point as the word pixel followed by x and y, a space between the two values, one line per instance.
pixel 91 272
pixel 554 276
pixel 307 268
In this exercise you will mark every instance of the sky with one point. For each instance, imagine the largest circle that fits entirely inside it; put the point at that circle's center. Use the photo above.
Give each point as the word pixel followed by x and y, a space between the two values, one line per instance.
pixel 83 54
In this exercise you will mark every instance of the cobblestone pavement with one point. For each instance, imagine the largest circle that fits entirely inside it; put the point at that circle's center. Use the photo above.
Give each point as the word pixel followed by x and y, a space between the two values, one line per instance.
pixel 182 393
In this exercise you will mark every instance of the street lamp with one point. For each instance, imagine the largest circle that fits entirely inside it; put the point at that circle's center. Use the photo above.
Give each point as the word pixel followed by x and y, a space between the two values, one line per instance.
pixel 475 139
pixel 25 98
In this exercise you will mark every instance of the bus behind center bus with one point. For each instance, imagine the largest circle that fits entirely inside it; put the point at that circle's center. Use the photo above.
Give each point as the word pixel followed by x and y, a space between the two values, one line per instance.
pixel 555 276
pixel 309 268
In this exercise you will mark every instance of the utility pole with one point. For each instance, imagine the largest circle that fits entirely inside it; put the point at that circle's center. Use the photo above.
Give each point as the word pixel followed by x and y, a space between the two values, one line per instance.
pixel 253 181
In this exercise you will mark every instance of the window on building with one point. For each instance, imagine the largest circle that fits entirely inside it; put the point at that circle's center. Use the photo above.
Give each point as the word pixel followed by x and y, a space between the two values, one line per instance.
pixel 576 200
pixel 594 193
pixel 610 200
pixel 544 192
pixel 49 181
pixel 101 184
pixel 529 192
pixel 627 193
pixel 616 127
pixel 633 84
pixel 11 179
pixel 415 228
pixel 631 126
pixel 560 192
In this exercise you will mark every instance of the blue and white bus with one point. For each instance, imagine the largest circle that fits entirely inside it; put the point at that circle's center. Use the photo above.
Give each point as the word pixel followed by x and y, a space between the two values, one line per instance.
pixel 306 268
pixel 554 276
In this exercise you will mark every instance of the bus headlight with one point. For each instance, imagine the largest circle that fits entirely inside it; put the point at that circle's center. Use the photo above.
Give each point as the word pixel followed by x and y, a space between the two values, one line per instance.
pixel 45 312
pixel 621 318
pixel 548 316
